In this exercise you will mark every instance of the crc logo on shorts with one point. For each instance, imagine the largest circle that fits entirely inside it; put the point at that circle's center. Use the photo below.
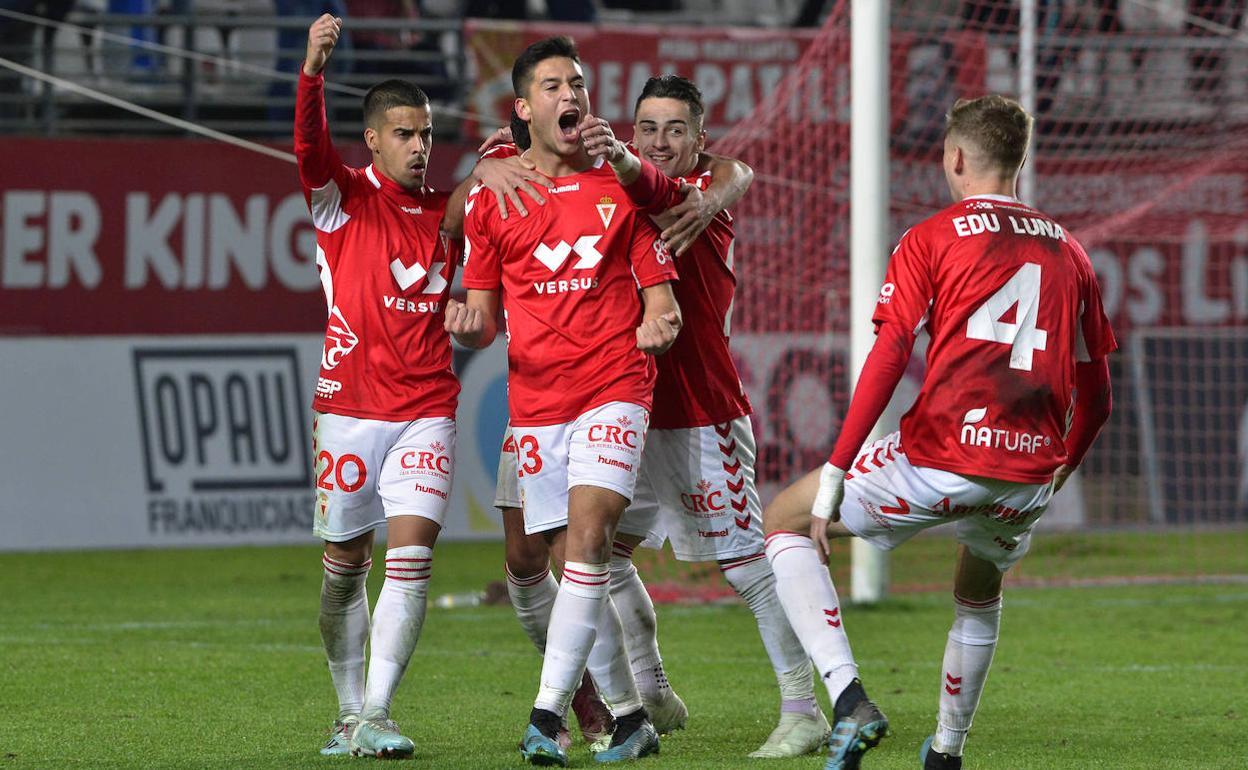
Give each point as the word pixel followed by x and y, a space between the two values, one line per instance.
pixel 339 340
pixel 220 419
pixel 974 434
pixel 585 248
pixel 421 462
pixel 705 500
pixel 618 435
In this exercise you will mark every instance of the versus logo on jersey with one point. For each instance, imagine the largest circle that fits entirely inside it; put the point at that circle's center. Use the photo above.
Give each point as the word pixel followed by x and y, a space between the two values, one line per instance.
pixel 407 277
pixel 977 435
pixel 585 248
pixel 339 340
pixel 606 210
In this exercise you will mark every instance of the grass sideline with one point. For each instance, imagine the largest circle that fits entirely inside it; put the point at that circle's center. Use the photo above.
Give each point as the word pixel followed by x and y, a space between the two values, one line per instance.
pixel 210 658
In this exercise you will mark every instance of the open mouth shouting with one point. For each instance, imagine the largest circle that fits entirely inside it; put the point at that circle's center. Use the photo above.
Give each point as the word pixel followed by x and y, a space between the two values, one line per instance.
pixel 568 120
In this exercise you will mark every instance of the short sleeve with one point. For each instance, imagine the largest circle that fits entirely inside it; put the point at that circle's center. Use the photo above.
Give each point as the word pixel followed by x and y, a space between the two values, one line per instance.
pixel 652 261
pixel 483 267
pixel 908 289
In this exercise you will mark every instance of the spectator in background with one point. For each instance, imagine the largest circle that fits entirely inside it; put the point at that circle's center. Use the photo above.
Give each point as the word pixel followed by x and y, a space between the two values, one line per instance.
pixel 1209 64
pixel 17 40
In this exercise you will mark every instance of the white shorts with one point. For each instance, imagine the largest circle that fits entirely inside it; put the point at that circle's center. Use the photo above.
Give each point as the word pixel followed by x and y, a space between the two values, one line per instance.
pixel 888 500
pixel 600 448
pixel 369 470
pixel 697 490
pixel 507 485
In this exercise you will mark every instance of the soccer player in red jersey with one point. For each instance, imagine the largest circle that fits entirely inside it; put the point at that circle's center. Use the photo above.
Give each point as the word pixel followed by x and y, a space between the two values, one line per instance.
pixel 1016 390
pixel 697 474
pixel 585 284
pixel 384 430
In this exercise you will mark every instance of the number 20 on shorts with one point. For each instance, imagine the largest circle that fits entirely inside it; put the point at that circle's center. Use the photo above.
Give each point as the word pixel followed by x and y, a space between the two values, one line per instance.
pixel 323 480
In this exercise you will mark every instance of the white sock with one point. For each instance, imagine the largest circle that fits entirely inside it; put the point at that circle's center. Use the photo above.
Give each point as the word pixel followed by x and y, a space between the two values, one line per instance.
pixel 640 624
pixel 532 598
pixel 574 621
pixel 751 577
pixel 608 665
pixel 344 629
pixel 398 618
pixel 968 655
pixel 809 599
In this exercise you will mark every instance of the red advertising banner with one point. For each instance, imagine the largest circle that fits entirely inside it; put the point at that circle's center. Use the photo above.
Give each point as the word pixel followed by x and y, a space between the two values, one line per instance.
pixel 736 69
pixel 159 236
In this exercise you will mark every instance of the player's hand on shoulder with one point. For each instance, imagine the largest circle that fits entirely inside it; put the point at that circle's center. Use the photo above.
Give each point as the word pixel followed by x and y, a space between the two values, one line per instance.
pixel 692 216
pixel 656 335
pixel 322 37
pixel 500 136
pixel 599 139
pixel 507 178
pixel 463 322
pixel 827 506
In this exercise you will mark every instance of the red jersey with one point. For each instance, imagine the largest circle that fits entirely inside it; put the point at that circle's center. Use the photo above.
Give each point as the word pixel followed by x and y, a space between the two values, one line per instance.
pixel 569 273
pixel 386 270
pixel 698 384
pixel 1011 303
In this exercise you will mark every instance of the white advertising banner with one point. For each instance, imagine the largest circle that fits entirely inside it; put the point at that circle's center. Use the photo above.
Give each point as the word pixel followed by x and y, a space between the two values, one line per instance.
pixel 158 441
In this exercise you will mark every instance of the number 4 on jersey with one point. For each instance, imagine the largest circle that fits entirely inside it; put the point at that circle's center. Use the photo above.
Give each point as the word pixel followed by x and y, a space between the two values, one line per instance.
pixel 1021 334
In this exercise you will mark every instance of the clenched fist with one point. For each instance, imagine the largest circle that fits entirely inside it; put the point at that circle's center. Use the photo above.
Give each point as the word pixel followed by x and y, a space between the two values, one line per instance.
pixel 465 324
pixel 656 335
pixel 322 37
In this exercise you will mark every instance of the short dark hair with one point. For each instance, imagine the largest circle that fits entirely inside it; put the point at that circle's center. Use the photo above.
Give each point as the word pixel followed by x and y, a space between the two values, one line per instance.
pixel 674 87
pixel 389 94
pixel 998 126
pixel 520 131
pixel 527 61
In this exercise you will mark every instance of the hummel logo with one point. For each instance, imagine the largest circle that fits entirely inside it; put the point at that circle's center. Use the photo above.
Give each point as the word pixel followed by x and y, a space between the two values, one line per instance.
pixel 406 277
pixel 584 248
pixel 410 210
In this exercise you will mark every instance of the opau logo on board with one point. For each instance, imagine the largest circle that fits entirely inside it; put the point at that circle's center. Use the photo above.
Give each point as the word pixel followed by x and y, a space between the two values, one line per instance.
pixel 225 445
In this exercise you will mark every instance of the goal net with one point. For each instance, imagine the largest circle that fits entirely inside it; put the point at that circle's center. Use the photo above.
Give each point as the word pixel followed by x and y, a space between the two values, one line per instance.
pixel 1141 150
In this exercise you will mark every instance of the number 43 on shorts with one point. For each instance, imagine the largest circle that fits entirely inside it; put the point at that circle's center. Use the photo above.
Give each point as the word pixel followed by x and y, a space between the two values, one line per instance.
pixel 1023 290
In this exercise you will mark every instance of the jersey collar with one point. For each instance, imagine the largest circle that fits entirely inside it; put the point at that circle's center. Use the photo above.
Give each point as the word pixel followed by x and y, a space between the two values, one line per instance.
pixel 381 181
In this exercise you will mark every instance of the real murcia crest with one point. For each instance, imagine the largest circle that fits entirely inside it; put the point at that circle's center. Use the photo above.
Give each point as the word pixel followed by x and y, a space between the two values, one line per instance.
pixel 606 210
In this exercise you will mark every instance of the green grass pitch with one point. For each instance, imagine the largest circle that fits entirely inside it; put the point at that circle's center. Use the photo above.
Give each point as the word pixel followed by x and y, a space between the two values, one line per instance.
pixel 211 659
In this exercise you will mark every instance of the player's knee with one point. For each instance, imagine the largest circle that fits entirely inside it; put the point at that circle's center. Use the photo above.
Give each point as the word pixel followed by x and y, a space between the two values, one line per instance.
pixel 780 516
pixel 527 556
pixel 354 552
pixel 790 510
